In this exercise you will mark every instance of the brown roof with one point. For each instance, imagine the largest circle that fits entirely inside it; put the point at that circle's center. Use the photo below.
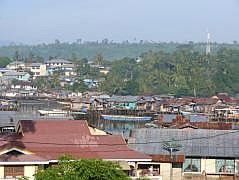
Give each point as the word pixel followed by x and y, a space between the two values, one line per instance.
pixel 50 139
pixel 179 158
pixel 181 122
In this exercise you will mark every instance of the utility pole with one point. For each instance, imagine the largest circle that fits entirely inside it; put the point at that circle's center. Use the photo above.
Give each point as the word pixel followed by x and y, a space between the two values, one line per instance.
pixel 208 48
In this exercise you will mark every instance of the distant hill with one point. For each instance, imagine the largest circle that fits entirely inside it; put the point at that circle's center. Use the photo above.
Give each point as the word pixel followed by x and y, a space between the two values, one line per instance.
pixel 4 43
pixel 110 51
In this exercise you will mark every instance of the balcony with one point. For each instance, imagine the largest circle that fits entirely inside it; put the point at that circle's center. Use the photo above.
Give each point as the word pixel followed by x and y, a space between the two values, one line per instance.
pixel 147 170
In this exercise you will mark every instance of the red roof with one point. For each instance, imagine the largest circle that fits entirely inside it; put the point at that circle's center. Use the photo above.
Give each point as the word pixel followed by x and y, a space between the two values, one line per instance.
pixel 50 139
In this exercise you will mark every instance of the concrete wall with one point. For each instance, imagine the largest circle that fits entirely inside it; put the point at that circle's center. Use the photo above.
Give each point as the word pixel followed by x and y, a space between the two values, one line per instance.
pixel 237 166
pixel 177 173
pixel 208 165
pixel 43 70
pixel 1 172
pixel 165 170
pixel 29 171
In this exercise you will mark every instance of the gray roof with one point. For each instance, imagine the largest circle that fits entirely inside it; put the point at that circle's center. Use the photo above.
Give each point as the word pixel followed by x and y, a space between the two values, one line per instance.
pixel 195 142
pixel 35 64
pixel 14 73
pixel 16 63
pixel 69 65
pixel 147 98
pixel 122 99
pixel 59 60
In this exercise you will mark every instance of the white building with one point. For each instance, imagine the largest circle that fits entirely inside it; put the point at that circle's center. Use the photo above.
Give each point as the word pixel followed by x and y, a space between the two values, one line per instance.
pixel 37 69
pixel 16 65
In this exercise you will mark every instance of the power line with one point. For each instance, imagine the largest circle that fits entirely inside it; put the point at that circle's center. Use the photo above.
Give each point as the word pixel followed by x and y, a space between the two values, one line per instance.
pixel 119 144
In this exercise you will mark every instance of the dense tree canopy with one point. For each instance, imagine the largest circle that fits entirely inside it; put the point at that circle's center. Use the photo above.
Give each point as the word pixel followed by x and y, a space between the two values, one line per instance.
pixel 108 49
pixel 84 169
pixel 4 61
pixel 180 69
pixel 182 72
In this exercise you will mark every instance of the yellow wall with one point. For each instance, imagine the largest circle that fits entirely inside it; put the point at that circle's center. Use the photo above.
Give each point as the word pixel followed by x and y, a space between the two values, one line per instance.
pixel 208 165
pixel 177 173
pixel 165 171
pixel 1 172
pixel 237 166
pixel 29 171
pixel 42 70
pixel 95 131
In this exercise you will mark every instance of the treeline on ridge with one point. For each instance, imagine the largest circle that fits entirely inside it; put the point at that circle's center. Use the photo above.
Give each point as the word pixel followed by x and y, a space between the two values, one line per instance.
pixel 181 72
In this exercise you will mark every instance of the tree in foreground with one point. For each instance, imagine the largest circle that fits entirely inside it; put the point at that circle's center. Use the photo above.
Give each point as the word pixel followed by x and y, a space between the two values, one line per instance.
pixel 84 169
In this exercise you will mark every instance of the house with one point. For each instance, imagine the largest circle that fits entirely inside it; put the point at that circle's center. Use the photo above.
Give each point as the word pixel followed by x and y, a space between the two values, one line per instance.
pixel 21 76
pixel 146 103
pixel 58 62
pixel 37 69
pixel 38 144
pixel 100 102
pixel 69 70
pixel 3 71
pixel 104 70
pixel 16 65
pixel 123 102
pixel 81 104
pixel 60 65
pixel 208 153
pixel 23 85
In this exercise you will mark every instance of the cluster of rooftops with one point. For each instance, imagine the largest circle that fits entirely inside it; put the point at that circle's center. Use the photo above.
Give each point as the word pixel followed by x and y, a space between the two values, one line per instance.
pixel 45 139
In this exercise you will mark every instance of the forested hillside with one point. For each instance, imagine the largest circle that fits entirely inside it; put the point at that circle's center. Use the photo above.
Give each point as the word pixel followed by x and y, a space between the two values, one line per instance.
pixel 109 50
pixel 144 68
pixel 180 72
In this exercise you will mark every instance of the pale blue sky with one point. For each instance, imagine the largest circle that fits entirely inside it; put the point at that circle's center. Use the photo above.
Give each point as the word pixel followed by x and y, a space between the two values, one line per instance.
pixel 34 21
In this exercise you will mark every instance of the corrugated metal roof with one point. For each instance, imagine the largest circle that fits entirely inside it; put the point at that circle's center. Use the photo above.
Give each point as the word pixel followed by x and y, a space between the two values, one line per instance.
pixel 15 73
pixel 50 139
pixel 195 142
pixel 123 99
pixel 58 60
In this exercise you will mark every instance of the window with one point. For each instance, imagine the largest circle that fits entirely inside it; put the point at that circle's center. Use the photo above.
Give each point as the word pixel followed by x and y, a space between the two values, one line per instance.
pixel 225 166
pixel 149 169
pixel 192 165
pixel 177 165
pixel 13 171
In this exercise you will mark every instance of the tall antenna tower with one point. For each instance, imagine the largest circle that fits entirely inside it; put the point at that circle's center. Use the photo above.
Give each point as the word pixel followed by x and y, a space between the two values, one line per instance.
pixel 208 48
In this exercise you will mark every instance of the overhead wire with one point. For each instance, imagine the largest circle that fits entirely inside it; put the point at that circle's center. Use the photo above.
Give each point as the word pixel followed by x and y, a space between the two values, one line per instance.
pixel 118 144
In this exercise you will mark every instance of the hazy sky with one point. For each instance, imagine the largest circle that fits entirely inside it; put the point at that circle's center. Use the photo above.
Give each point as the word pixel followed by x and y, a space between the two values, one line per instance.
pixel 33 21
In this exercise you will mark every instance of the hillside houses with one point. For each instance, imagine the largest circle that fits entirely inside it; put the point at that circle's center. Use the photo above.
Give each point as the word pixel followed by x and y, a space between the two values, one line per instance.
pixel 155 103
pixel 16 65
pixel 65 66
pixel 37 69
pixel 20 76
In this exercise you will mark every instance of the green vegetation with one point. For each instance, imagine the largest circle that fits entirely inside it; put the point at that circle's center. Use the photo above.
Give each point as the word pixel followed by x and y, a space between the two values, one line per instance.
pixel 182 72
pixel 4 61
pixel 84 169
pixel 44 83
pixel 78 87
pixel 180 69
pixel 108 49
